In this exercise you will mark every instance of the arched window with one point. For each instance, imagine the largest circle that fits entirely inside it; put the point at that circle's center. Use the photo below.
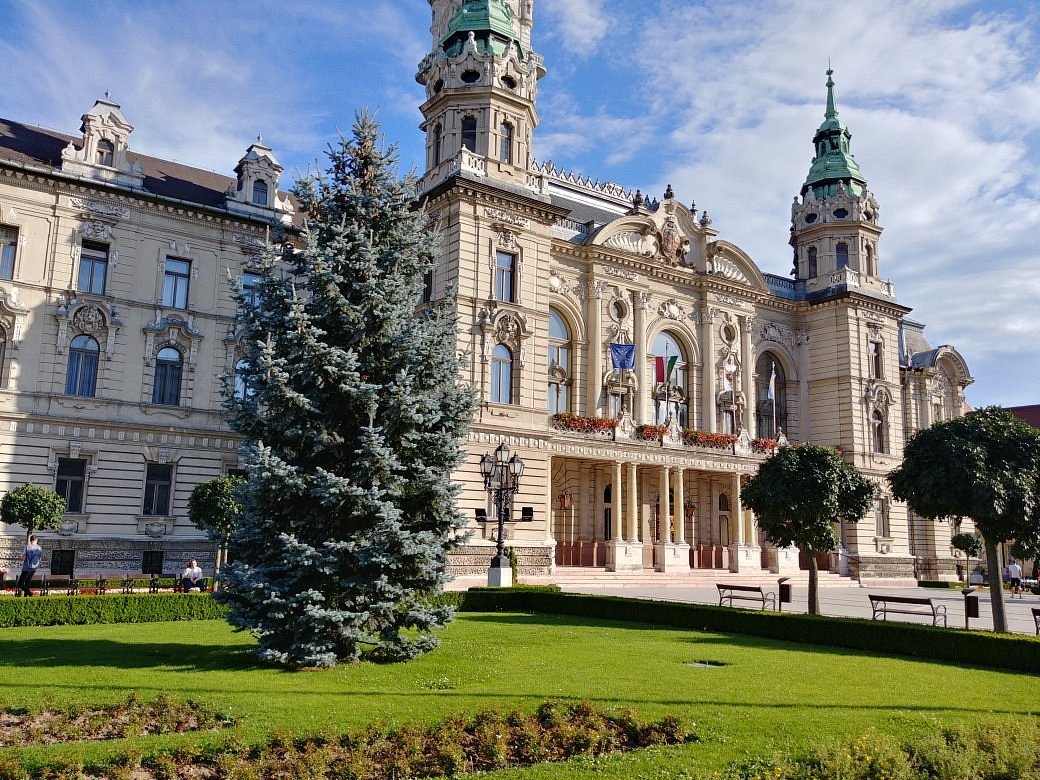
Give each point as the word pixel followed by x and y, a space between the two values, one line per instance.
pixel 501 375
pixel 81 378
pixel 469 134
pixel 770 396
pixel 559 366
pixel 167 387
pixel 437 133
pixel 105 153
pixel 260 192
pixel 877 432
pixel 505 134
pixel 671 392
pixel 841 253
pixel 811 270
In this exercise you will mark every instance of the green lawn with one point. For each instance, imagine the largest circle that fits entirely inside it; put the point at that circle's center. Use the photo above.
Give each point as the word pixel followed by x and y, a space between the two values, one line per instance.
pixel 768 693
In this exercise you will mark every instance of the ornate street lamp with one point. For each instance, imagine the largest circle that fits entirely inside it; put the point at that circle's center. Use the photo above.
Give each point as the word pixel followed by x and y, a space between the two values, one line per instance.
pixel 501 480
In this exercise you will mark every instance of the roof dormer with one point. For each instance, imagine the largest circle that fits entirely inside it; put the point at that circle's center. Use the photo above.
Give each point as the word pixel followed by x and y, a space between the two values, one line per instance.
pixel 102 153
pixel 256 189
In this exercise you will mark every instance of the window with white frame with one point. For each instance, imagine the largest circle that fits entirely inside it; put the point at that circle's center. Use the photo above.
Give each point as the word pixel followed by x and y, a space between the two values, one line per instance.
pixel 176 278
pixel 250 293
pixel 81 377
pixel 8 247
pixel 874 359
pixel 69 483
pixel 501 375
pixel 168 370
pixel 260 193
pixel 93 268
pixel 559 367
pixel 505 263
pixel 158 487
pixel 877 432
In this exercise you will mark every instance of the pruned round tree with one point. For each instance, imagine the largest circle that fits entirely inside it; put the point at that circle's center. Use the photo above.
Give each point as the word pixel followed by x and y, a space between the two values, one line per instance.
pixel 215 507
pixel 33 507
pixel 353 416
pixel 798 496
pixel 983 466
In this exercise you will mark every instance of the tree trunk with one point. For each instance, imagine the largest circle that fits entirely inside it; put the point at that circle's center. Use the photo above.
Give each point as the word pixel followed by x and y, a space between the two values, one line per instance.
pixel 996 587
pixel 814 584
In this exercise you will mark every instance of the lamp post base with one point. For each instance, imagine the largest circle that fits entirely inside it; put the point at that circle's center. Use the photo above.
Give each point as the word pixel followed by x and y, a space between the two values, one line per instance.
pixel 500 575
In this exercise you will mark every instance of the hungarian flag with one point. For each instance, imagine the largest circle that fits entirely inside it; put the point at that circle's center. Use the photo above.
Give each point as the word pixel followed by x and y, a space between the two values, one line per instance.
pixel 664 366
pixel 623 355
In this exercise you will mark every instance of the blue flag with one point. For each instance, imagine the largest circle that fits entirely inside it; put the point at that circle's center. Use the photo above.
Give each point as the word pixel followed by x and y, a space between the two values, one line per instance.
pixel 623 355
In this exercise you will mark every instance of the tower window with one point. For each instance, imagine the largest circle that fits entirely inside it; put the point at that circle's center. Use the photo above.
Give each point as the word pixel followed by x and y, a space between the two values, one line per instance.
pixel 506 135
pixel 469 134
pixel 874 355
pixel 437 133
pixel 841 252
pixel 105 154
pixel 470 77
pixel 870 260
pixel 509 82
pixel 811 270
pixel 259 193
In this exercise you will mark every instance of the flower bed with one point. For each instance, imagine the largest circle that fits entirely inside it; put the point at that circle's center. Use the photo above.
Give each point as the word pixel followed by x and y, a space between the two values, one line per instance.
pixel 719 441
pixel 568 421
pixel 763 445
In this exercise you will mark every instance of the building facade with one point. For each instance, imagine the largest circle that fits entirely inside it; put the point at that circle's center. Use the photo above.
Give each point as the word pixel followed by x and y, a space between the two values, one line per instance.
pixel 640 363
pixel 117 332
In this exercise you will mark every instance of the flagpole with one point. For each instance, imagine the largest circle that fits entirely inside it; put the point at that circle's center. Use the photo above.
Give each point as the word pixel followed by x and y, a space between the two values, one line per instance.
pixel 772 390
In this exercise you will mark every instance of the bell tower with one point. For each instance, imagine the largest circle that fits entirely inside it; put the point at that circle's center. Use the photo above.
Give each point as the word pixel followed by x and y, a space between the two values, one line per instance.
pixel 481 79
pixel 834 219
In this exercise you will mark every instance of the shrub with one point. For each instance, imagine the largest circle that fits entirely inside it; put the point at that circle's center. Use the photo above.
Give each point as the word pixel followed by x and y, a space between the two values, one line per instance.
pixel 131 608
pixel 941 584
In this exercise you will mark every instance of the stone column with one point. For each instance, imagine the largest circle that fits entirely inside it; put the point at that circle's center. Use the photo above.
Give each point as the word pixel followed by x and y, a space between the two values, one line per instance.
pixel 615 504
pixel 594 380
pixel 631 517
pixel 663 515
pixel 708 421
pixel 640 302
pixel 745 554
pixel 747 365
pixel 680 508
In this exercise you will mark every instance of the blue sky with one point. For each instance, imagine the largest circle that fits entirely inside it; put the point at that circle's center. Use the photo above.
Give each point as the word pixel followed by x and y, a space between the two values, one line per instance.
pixel 718 98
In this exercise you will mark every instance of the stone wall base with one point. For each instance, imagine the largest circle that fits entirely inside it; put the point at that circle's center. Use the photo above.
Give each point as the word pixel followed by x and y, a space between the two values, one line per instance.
pixel 947 569
pixel 473 560
pixel 112 555
pixel 876 568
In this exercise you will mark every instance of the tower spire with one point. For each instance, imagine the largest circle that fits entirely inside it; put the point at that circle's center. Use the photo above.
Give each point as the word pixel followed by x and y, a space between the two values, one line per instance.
pixel 833 166
pixel 832 111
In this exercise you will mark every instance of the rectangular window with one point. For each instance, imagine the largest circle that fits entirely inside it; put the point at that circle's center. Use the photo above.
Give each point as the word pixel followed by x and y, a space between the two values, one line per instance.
pixel 427 280
pixel 72 474
pixel 63 562
pixel 158 482
pixel 250 294
pixel 175 283
pixel 93 268
pixel 8 244
pixel 505 152
pixel 152 562
pixel 504 276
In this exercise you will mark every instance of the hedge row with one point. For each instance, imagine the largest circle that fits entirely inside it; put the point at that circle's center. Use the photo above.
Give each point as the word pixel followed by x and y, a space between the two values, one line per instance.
pixel 980 648
pixel 133 608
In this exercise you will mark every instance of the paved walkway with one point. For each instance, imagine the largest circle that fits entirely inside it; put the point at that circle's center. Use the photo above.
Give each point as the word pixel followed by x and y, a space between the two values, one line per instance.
pixel 845 602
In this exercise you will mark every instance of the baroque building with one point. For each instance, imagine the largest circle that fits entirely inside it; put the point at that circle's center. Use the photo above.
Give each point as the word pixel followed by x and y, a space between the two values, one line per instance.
pixel 641 364
pixel 117 332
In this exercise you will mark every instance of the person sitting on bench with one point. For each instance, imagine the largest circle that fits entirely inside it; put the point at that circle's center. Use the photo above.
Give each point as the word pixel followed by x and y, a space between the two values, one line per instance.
pixel 192 577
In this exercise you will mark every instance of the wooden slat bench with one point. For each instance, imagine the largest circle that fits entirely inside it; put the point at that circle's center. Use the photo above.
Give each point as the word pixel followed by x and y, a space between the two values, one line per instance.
pixel 745 593
pixel 882 605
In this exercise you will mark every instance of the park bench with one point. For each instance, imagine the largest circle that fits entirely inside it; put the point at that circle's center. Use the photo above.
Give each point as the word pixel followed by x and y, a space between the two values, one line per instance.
pixel 1036 619
pixel 745 593
pixel 904 605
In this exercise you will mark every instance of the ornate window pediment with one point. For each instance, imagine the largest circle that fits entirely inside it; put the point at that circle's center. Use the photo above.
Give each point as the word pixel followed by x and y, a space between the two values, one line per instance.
pixel 172 331
pixel 79 316
pixel 500 325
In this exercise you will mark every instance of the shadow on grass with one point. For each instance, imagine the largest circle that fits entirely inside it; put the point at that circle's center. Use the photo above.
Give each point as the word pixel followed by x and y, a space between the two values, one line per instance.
pixel 127 655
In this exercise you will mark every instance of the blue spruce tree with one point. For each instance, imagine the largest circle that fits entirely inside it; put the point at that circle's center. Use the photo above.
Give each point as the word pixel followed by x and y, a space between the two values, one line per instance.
pixel 353 414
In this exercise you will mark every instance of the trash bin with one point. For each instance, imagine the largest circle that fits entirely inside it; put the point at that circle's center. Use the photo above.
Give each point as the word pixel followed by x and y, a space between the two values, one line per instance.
pixel 784 595
pixel 971 604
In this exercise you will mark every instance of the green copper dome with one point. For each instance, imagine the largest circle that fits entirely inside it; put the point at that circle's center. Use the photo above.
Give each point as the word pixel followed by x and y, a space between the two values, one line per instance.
pixel 491 22
pixel 833 161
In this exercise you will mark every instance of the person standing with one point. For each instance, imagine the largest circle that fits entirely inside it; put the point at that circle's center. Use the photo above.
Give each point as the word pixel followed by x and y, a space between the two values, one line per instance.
pixel 31 558
pixel 191 577
pixel 1015 578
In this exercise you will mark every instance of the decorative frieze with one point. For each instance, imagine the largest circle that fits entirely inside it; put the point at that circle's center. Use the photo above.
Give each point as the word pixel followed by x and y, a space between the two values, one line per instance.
pixel 507 218
pixel 96 206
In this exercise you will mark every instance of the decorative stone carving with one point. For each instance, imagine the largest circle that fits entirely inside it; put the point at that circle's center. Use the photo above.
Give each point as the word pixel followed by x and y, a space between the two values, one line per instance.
pixel 155 529
pixel 68 527
pixel 173 331
pixel 507 240
pixel 96 206
pixel 778 334
pixel 89 320
pixel 507 218
pixel 671 310
pixel 622 273
pixel 727 269
pixel 96 230
pixel 557 283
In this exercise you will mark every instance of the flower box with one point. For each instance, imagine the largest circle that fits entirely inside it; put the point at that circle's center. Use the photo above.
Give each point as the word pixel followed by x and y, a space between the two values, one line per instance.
pixel 717 441
pixel 568 421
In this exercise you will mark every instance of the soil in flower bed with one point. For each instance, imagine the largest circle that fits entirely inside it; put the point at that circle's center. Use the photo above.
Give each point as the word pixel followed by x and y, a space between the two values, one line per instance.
pixel 129 718
pixel 457 745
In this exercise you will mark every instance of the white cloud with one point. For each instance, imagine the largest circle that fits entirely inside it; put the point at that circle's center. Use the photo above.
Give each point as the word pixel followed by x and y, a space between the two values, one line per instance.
pixel 579 25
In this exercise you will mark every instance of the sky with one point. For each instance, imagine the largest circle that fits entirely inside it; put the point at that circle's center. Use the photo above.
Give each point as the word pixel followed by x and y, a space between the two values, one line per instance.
pixel 719 98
